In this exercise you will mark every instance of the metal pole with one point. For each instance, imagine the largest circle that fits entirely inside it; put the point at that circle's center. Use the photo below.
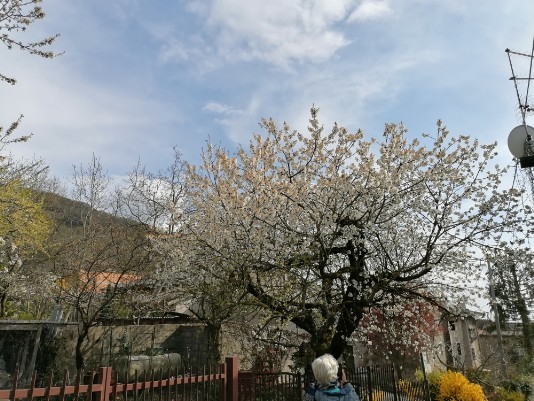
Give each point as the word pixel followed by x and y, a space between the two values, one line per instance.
pixel 497 321
pixel 369 384
pixel 425 381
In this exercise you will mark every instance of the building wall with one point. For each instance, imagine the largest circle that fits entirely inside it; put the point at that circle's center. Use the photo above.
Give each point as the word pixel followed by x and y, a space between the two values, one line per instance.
pixel 502 353
pixel 106 343
pixel 457 347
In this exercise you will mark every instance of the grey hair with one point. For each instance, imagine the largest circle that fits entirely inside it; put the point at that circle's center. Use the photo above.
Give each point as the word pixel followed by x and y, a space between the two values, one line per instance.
pixel 325 369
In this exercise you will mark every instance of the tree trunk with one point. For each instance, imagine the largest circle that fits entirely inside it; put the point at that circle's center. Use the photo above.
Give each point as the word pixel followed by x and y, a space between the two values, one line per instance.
pixel 522 309
pixel 214 346
pixel 3 299
pixel 82 335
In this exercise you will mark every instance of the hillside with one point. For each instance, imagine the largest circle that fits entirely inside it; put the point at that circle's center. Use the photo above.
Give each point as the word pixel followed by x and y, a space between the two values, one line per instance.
pixel 70 213
pixel 71 234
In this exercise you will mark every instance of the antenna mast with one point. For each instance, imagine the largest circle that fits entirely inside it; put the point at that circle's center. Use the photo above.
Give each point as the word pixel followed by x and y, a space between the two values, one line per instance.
pixel 521 139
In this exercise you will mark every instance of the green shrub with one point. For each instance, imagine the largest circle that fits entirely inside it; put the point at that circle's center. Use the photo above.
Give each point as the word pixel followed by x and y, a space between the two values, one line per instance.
pixel 522 383
pixel 433 379
pixel 502 394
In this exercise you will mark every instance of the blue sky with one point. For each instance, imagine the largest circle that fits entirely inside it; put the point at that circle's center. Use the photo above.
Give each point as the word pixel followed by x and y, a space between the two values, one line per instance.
pixel 139 77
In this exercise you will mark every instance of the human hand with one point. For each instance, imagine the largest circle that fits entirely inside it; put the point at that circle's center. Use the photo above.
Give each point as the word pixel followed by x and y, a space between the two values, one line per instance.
pixel 343 378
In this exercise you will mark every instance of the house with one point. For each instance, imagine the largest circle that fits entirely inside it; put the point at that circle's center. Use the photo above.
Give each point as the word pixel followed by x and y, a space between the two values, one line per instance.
pixel 97 281
pixel 503 349
pixel 458 344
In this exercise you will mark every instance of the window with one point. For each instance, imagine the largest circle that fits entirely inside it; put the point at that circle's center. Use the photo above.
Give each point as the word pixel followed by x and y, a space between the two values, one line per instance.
pixel 459 348
pixel 452 325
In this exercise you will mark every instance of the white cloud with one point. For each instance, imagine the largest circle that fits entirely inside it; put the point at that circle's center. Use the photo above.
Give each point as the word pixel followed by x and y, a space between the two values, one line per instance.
pixel 361 74
pixel 342 92
pixel 174 51
pixel 236 122
pixel 371 10
pixel 72 117
pixel 125 9
pixel 277 32
pixel 221 108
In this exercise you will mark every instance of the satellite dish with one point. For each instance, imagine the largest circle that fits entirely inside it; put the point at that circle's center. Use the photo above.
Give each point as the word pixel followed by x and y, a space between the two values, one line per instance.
pixel 517 138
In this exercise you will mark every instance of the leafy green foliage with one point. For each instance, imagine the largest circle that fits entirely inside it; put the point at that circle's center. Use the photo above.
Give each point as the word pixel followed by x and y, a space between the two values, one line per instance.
pixel 22 216
pixel 501 394
pixel 24 228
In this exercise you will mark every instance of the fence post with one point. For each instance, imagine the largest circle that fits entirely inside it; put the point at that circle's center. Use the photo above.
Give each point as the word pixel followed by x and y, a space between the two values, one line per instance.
pixel 104 379
pixel 369 383
pixel 300 383
pixel 232 376
pixel 426 387
pixel 395 381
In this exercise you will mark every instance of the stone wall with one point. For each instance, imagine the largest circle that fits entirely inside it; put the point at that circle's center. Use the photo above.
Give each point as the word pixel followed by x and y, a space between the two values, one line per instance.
pixel 106 344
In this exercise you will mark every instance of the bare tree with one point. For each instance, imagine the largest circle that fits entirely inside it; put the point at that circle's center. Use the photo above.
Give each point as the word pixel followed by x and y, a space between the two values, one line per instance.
pixel 102 259
pixel 513 280
pixel 154 199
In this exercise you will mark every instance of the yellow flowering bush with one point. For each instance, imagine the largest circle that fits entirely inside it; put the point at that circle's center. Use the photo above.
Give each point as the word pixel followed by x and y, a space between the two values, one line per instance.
pixel 378 395
pixel 453 386
pixel 411 390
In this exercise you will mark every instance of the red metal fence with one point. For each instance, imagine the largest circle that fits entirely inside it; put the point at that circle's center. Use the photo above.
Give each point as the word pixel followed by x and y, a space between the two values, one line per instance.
pixel 104 385
pixel 224 383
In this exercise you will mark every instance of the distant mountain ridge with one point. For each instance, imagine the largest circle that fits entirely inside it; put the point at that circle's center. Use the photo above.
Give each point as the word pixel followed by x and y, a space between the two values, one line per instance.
pixel 69 213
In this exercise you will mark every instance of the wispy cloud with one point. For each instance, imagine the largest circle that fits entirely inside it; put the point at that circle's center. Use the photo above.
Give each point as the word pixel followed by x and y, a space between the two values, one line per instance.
pixel 236 122
pixel 277 33
pixel 221 108
pixel 369 10
pixel 149 77
pixel 71 117
pixel 343 92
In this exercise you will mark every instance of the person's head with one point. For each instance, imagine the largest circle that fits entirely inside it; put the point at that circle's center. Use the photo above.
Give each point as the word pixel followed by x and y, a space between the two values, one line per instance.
pixel 325 369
